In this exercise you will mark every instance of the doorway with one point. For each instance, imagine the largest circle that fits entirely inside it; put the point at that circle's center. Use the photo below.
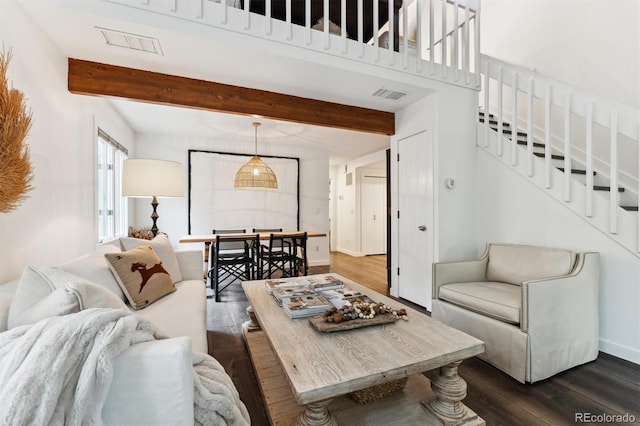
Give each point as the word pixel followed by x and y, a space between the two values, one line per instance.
pixel 373 219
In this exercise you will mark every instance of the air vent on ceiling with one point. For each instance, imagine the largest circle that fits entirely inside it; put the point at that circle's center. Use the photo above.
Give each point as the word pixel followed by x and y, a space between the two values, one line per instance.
pixel 131 41
pixel 388 94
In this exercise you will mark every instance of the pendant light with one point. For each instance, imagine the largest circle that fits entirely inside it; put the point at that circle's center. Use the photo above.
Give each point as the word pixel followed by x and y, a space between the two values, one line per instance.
pixel 255 174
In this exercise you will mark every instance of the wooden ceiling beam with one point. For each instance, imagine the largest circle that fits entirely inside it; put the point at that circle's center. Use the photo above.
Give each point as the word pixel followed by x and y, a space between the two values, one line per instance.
pixel 92 78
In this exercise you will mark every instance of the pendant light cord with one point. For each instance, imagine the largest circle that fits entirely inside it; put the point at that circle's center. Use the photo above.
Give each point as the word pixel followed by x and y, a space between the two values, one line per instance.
pixel 255 125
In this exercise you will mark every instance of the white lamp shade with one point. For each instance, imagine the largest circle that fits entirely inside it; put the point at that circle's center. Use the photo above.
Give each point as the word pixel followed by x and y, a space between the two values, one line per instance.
pixel 149 178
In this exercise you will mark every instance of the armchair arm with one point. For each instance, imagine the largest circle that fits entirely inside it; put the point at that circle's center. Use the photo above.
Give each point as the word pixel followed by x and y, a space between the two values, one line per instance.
pixel 191 264
pixel 459 272
pixel 563 300
pixel 560 315
pixel 152 385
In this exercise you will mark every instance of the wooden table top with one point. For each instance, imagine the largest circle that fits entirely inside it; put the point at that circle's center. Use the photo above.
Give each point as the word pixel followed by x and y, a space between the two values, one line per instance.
pixel 324 365
pixel 208 238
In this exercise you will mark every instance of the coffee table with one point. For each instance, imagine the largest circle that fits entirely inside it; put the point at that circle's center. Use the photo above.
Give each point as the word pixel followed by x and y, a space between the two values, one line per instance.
pixel 321 367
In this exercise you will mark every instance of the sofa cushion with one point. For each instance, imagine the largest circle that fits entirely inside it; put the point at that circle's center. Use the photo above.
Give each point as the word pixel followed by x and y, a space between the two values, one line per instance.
pixel 163 249
pixel 515 264
pixel 47 292
pixel 184 313
pixel 141 275
pixel 94 267
pixel 494 299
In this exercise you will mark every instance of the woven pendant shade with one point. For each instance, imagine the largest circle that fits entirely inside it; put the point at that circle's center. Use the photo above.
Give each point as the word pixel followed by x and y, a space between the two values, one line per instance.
pixel 255 173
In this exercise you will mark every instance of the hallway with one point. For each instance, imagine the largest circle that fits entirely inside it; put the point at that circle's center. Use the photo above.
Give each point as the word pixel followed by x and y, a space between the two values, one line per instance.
pixel 370 271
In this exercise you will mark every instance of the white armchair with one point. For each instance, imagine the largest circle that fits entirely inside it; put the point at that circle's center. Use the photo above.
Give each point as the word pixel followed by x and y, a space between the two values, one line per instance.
pixel 535 308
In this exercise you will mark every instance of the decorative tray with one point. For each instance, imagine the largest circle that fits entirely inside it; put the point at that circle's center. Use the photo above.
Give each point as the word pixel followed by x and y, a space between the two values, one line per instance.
pixel 327 327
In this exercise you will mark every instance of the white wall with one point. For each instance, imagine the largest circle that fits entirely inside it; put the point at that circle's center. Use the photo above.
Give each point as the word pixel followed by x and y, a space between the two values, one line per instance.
pixel 314 183
pixel 513 210
pixel 450 114
pixel 592 44
pixel 58 220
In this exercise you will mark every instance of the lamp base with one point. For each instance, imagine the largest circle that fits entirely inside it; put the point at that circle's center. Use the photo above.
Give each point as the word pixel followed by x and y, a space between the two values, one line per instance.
pixel 154 216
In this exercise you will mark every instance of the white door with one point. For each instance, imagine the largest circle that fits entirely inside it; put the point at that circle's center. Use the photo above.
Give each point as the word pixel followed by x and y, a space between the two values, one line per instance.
pixel 415 224
pixel 373 220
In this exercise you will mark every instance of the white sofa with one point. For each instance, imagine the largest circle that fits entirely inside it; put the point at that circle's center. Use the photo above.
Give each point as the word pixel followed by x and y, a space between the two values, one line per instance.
pixel 536 308
pixel 153 381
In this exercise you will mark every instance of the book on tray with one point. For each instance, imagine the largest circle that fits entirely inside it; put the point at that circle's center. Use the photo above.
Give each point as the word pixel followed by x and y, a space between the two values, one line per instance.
pixel 318 282
pixel 281 294
pixel 343 296
pixel 324 282
pixel 273 284
pixel 305 306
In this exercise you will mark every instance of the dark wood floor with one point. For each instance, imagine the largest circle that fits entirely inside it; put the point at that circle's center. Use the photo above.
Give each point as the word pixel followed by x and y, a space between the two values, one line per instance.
pixel 609 385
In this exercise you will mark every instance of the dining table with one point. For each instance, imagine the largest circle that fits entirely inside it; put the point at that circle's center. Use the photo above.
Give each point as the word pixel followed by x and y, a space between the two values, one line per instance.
pixel 207 239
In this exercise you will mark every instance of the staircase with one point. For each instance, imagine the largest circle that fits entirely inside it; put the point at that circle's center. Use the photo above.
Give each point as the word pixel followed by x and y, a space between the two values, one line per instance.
pixel 539 151
pixel 622 226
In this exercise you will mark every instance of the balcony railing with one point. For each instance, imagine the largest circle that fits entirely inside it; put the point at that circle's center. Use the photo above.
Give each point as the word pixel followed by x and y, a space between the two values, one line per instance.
pixel 436 39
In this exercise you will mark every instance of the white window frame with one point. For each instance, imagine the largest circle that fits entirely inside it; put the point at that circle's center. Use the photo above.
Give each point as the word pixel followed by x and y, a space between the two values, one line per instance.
pixel 111 208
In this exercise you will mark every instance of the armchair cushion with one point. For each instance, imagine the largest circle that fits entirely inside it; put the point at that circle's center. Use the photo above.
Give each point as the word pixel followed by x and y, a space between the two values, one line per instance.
pixel 496 300
pixel 514 264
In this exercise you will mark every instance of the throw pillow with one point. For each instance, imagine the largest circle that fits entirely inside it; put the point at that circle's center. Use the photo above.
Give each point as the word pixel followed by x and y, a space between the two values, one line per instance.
pixel 141 275
pixel 163 249
pixel 37 283
pixel 94 268
pixel 90 295
pixel 48 292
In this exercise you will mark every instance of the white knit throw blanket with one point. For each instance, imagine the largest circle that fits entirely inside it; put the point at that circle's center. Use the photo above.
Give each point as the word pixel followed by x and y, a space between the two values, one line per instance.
pixel 58 371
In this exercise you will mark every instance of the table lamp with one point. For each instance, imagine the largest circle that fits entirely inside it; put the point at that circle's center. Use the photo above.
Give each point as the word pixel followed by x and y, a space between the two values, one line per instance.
pixel 144 178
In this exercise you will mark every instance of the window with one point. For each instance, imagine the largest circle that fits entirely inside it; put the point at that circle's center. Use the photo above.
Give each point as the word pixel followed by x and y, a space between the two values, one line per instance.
pixel 112 206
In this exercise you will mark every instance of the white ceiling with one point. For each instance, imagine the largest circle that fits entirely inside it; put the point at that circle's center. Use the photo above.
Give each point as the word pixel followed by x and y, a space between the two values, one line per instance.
pixel 191 50
pixel 157 119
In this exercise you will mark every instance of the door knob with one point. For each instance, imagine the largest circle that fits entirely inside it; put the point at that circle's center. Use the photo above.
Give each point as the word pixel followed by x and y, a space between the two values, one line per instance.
pixel 422 228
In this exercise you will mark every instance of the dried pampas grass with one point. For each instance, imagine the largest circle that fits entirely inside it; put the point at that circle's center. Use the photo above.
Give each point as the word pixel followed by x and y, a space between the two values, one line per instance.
pixel 16 173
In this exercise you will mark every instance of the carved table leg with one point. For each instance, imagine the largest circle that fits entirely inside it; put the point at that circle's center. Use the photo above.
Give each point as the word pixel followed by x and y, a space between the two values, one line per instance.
pixel 450 389
pixel 317 414
pixel 252 324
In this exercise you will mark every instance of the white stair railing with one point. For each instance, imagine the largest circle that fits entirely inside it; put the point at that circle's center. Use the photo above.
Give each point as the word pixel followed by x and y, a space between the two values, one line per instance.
pixel 549 111
pixel 437 39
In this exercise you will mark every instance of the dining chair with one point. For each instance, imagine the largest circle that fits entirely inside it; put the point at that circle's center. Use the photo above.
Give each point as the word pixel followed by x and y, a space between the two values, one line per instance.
pixel 301 263
pixel 230 259
pixel 285 254
pixel 261 251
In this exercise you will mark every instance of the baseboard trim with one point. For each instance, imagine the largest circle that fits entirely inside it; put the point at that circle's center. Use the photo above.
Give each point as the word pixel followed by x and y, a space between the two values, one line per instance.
pixel 322 262
pixel 350 253
pixel 620 351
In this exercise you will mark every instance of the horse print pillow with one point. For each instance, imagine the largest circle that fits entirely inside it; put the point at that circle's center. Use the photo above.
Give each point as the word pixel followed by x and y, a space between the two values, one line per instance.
pixel 141 275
